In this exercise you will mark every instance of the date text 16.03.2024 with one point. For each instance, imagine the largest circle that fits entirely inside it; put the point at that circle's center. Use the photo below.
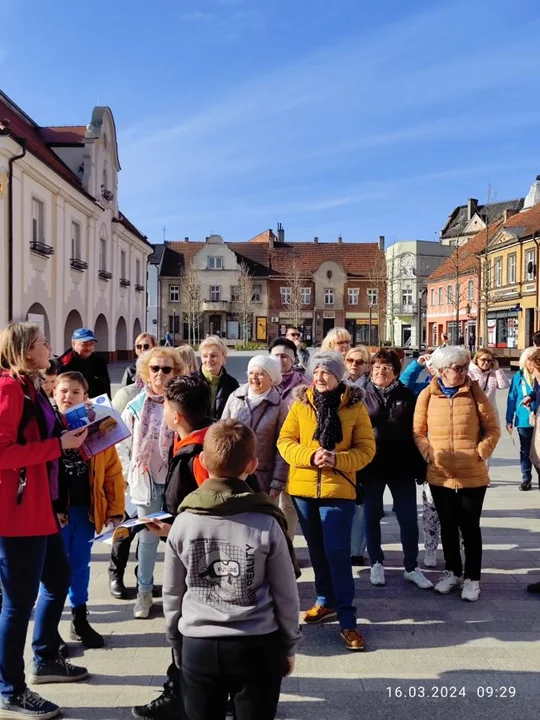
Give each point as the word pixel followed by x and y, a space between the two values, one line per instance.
pixel 449 691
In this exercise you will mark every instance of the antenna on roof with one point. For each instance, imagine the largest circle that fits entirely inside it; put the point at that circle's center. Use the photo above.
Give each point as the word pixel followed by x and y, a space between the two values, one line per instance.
pixel 164 233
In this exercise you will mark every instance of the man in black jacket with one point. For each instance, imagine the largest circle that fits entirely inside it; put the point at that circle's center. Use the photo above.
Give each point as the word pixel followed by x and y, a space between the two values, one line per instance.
pixel 82 358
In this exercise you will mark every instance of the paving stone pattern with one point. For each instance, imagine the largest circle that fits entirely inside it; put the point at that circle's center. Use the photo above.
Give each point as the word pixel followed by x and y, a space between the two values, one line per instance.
pixel 430 650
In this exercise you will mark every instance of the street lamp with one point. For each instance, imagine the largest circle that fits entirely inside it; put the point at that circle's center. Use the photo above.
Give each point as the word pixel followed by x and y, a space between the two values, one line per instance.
pixel 174 326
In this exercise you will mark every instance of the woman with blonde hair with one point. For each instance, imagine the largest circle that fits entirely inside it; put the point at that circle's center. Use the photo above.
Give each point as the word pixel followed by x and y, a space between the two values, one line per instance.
pixel 358 364
pixel 31 547
pixel 337 340
pixel 522 417
pixel 486 371
pixel 213 358
pixel 143 343
pixel 145 455
pixel 188 357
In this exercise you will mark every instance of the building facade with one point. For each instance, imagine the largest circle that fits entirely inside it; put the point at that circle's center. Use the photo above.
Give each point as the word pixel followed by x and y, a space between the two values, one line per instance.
pixel 70 257
pixel 466 221
pixel 408 265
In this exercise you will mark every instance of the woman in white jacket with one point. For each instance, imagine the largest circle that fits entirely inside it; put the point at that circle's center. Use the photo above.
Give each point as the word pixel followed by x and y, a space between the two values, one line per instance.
pixel 145 456
pixel 486 371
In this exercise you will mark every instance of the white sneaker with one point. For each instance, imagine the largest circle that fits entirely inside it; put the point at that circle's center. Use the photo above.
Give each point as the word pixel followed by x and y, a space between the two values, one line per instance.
pixel 376 576
pixel 471 590
pixel 417 577
pixel 142 607
pixel 447 583
pixel 430 558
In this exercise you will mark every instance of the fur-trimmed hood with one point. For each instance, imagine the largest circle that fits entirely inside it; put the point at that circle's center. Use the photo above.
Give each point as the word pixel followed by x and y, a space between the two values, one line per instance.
pixel 351 396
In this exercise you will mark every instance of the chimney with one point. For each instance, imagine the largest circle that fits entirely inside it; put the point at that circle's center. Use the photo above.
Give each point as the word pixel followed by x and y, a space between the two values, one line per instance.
pixel 508 213
pixel 472 207
pixel 186 239
pixel 280 233
pixel 381 242
pixel 533 196
pixel 340 239
pixel 315 239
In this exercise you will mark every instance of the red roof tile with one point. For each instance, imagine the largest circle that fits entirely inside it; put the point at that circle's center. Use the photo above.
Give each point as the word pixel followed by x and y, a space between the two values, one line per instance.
pixel 263 237
pixel 356 259
pixel 64 135
pixel 528 221
pixel 464 260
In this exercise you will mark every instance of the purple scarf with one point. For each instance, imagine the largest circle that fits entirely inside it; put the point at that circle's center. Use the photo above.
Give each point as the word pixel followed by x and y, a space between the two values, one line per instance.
pixel 289 381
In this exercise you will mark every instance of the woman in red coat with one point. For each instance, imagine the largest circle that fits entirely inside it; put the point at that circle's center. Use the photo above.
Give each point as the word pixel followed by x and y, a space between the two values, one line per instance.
pixel 31 547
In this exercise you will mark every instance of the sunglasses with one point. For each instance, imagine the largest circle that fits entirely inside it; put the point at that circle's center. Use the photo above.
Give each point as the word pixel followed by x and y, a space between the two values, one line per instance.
pixel 166 369
pixel 459 368
pixel 351 361
pixel 146 346
pixel 294 334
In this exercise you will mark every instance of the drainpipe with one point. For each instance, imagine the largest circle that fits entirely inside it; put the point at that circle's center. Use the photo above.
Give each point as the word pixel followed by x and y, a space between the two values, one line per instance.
pixel 536 277
pixel 11 162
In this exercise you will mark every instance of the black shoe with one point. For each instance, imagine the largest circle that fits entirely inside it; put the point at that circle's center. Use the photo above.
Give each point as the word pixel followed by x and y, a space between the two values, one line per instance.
pixel 117 588
pixel 28 705
pixel 82 631
pixel 357 560
pixel 525 485
pixel 57 671
pixel 164 707
pixel 63 649
pixel 534 588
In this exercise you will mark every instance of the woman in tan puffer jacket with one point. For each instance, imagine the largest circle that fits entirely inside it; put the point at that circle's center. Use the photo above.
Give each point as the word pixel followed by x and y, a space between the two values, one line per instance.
pixel 456 430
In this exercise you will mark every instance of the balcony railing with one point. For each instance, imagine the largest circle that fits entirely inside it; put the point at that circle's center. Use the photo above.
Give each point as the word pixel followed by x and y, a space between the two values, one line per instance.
pixel 79 265
pixel 405 309
pixel 104 274
pixel 124 282
pixel 40 248
pixel 216 305
pixel 139 288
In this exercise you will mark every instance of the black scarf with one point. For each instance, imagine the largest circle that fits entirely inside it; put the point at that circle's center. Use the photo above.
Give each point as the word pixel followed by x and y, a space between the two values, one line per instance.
pixel 329 432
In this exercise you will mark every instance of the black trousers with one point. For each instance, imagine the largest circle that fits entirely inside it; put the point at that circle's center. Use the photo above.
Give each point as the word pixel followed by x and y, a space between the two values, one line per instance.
pixel 248 668
pixel 457 511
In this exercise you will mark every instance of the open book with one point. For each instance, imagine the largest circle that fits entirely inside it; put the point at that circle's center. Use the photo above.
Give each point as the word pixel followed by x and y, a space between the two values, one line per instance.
pixel 122 531
pixel 105 426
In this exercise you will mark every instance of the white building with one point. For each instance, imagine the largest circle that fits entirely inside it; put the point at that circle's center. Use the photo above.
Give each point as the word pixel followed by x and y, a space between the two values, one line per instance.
pixel 70 258
pixel 408 264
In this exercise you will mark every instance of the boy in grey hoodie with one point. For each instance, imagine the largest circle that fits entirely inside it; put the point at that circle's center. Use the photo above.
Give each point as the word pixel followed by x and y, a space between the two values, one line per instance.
pixel 229 592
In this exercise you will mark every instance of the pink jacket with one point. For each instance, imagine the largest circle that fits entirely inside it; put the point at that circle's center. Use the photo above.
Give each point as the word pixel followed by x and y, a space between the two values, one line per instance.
pixel 489 381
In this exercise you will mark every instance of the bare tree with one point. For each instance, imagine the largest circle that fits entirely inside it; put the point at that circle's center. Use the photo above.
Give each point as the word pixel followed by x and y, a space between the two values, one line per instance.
pixel 295 281
pixel 243 303
pixel 191 305
pixel 486 278
pixel 378 278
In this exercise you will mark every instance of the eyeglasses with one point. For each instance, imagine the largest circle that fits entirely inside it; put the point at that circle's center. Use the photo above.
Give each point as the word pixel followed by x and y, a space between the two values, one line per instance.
pixel 460 369
pixel 352 361
pixel 42 342
pixel 146 346
pixel 166 369
pixel 485 359
pixel 383 368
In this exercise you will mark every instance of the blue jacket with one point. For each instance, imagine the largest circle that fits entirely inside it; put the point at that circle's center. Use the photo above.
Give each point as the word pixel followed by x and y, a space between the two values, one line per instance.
pixel 517 414
pixel 409 377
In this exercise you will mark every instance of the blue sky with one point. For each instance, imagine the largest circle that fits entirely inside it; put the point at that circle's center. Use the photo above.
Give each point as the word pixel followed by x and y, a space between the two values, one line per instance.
pixel 343 116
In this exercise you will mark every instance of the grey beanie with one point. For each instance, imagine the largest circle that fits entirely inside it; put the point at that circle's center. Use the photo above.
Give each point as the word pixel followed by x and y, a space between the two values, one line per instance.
pixel 332 362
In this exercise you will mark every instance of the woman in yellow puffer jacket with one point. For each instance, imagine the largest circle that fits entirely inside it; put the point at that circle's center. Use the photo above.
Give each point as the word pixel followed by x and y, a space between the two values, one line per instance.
pixel 326 438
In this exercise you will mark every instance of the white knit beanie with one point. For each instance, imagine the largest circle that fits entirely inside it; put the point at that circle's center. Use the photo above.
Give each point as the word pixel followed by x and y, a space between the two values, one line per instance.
pixel 283 350
pixel 269 364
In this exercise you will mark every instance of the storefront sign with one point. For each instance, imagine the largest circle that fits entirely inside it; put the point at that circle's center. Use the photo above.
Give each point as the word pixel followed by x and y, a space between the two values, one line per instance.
pixel 261 328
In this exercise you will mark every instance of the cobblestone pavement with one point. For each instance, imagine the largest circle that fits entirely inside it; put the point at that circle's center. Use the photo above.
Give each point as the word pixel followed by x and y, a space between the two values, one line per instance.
pixel 418 643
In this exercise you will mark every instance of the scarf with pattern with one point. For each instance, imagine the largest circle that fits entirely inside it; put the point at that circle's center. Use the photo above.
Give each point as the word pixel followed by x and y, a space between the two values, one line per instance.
pixel 151 425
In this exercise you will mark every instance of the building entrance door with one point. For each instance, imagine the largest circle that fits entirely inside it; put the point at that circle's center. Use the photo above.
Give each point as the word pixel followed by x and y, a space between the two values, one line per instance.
pixel 214 325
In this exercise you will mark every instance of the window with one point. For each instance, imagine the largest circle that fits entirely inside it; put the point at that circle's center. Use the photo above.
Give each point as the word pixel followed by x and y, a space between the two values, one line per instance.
pixel 440 295
pixel 103 254
pixel 449 298
pixel 497 267
pixel 38 221
pixel 470 290
pixel 406 296
pixel 215 293
pixel 306 296
pixel 75 241
pixel 432 297
pixel 138 272
pixel 174 324
pixel 214 263
pixel 174 293
pixel 353 296
pixel 511 269
pixel 329 296
pixel 372 296
pixel 257 292
pixel 529 264
pixel 286 295
pixel 123 264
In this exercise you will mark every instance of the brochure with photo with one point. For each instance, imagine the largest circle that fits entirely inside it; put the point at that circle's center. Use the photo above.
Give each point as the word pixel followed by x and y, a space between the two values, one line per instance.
pixel 110 536
pixel 105 426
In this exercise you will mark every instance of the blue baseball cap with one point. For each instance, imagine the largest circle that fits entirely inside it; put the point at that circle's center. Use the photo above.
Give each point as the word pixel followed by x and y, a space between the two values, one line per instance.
pixel 84 334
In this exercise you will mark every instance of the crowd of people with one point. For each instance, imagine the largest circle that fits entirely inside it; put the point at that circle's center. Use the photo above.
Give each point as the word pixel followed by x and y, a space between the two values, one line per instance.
pixel 310 439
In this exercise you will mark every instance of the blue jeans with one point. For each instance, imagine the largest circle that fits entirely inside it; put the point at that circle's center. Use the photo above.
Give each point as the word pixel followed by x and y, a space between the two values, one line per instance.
pixel 358 534
pixel 148 542
pixel 77 536
pixel 327 525
pixel 525 441
pixel 24 563
pixel 404 495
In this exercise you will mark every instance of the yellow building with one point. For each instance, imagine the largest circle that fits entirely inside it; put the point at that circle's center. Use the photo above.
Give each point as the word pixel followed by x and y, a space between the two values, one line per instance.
pixel 508 291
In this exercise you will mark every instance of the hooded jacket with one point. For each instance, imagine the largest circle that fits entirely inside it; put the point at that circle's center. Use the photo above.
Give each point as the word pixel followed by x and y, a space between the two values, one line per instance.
pixel 489 381
pixel 297 447
pixel 456 435
pixel 185 472
pixel 266 420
